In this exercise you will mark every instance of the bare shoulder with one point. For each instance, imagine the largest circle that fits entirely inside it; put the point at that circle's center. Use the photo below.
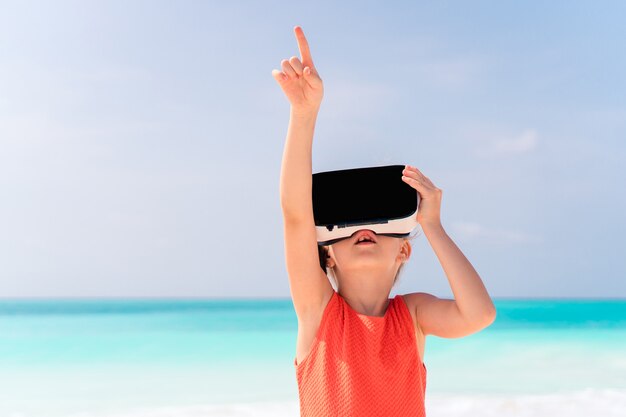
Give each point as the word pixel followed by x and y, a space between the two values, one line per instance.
pixel 441 316
pixel 413 301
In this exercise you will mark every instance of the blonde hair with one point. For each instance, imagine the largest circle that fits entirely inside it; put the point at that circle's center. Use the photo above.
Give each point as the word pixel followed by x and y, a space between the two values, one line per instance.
pixel 323 254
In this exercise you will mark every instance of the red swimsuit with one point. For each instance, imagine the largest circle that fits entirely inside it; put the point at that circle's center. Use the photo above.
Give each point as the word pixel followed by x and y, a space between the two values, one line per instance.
pixel 363 366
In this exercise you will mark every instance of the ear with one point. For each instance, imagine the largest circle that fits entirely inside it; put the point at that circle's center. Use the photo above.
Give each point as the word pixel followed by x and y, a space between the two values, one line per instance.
pixel 330 262
pixel 405 251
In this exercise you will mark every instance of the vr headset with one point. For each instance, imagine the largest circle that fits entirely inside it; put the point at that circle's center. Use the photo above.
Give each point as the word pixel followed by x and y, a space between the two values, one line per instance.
pixel 373 198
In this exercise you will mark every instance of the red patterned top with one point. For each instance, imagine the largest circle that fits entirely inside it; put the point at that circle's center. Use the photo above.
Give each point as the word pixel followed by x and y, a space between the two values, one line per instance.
pixel 363 366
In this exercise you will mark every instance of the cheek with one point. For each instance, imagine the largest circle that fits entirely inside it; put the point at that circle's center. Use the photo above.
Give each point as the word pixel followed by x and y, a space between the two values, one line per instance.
pixel 339 249
pixel 342 250
pixel 392 249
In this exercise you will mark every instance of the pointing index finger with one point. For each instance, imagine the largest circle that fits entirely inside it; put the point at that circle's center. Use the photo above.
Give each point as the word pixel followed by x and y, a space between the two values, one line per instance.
pixel 303 45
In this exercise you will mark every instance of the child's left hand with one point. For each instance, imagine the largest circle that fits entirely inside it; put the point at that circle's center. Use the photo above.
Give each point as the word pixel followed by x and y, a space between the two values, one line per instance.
pixel 430 196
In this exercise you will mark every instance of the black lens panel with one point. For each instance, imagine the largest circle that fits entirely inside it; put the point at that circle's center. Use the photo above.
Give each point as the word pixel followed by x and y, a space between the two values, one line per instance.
pixel 361 196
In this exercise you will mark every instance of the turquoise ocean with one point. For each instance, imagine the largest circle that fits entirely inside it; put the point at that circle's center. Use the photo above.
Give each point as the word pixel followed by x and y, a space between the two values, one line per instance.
pixel 217 357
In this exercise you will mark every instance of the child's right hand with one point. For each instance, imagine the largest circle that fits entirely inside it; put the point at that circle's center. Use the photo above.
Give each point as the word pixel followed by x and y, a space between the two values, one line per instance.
pixel 299 80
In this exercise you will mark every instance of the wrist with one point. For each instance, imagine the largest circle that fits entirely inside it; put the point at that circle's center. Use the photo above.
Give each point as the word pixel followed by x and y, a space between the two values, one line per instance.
pixel 304 113
pixel 432 226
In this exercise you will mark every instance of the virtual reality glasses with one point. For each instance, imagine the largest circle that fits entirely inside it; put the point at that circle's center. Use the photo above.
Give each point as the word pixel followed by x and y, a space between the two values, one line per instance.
pixel 374 198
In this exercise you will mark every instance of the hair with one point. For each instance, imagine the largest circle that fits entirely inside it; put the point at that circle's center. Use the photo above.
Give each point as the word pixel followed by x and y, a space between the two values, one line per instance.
pixel 323 255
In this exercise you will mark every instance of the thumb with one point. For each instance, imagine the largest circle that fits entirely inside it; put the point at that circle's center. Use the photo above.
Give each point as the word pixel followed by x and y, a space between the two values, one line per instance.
pixel 310 77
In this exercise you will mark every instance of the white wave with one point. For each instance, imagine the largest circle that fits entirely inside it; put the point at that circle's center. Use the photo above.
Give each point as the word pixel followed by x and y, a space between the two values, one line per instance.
pixel 263 409
pixel 586 403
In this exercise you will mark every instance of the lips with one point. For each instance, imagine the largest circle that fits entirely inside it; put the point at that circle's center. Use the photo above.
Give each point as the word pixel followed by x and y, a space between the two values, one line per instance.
pixel 370 234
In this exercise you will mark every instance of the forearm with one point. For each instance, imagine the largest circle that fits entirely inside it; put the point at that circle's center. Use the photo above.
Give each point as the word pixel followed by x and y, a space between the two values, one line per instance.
pixel 296 177
pixel 470 294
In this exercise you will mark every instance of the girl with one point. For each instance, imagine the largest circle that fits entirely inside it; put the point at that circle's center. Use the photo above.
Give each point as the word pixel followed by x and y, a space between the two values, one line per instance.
pixel 358 352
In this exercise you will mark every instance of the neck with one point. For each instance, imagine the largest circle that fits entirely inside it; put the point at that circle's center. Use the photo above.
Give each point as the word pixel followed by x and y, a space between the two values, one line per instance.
pixel 367 291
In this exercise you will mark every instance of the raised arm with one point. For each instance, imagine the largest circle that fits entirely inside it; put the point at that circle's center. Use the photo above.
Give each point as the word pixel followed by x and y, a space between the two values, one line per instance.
pixel 472 308
pixel 303 87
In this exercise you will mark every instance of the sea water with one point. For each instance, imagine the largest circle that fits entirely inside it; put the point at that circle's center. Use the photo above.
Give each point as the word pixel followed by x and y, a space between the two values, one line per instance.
pixel 204 357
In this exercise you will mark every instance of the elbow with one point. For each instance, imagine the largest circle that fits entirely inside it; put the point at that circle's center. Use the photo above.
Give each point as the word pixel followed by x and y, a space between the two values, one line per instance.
pixel 480 320
pixel 490 315
pixel 486 318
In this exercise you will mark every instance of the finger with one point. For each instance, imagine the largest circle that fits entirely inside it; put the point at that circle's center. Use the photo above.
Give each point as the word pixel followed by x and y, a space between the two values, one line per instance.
pixel 412 181
pixel 416 182
pixel 312 78
pixel 288 69
pixel 296 65
pixel 279 76
pixel 303 46
pixel 412 173
pixel 416 172
pixel 424 177
pixel 412 168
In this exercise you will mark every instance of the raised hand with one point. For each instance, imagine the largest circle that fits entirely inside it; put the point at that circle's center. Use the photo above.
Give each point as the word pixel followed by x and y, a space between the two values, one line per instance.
pixel 299 79
pixel 429 210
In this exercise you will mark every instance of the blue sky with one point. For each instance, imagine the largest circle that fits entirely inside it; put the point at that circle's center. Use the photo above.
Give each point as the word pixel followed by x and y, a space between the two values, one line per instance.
pixel 140 142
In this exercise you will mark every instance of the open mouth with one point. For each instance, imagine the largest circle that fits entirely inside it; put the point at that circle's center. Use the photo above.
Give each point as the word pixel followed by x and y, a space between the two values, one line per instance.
pixel 365 237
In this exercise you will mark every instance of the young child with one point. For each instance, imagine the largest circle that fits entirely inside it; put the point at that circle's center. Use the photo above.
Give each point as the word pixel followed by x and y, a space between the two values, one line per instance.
pixel 358 352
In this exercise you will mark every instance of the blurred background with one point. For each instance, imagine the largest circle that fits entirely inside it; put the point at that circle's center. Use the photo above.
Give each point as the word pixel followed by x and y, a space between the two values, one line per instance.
pixel 140 153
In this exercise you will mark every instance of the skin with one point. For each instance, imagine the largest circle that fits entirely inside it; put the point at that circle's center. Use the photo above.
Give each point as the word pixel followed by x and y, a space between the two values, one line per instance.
pixel 300 80
pixel 366 273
